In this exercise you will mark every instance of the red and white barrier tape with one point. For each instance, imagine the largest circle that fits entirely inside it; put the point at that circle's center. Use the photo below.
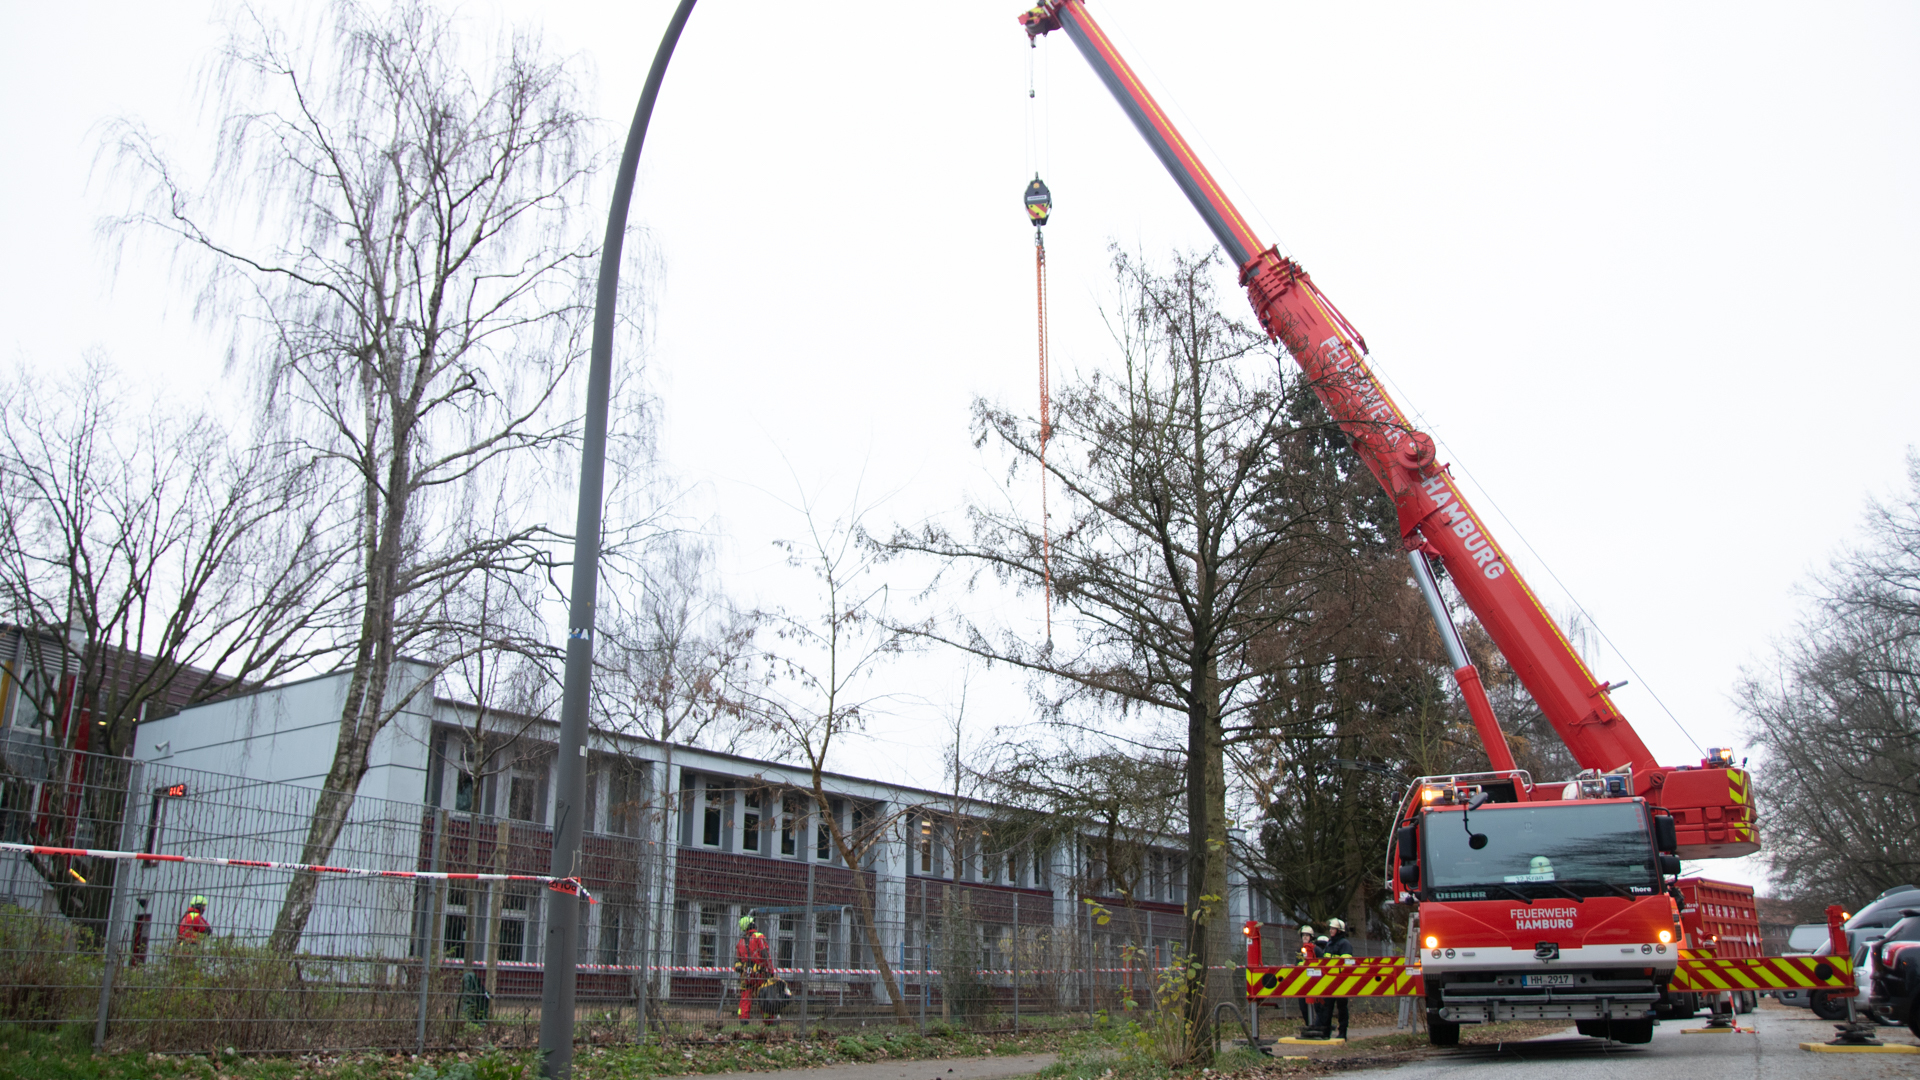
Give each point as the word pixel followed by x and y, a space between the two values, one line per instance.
pixel 571 885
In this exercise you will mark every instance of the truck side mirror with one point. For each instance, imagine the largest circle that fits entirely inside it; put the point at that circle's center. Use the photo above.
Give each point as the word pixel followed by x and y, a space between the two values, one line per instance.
pixel 1669 864
pixel 1407 841
pixel 1666 836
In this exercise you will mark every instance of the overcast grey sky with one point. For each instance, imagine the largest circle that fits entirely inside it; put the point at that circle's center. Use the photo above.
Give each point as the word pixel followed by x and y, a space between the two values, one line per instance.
pixel 1643 269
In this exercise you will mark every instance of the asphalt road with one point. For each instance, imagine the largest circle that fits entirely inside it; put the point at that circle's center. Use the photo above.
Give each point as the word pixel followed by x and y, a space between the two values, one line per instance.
pixel 1772 1054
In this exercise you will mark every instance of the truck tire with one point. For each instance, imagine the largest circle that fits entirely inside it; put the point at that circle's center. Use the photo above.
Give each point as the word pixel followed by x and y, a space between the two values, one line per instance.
pixel 1592 1029
pixel 1826 1008
pixel 1913 1015
pixel 1442 1032
pixel 1745 1002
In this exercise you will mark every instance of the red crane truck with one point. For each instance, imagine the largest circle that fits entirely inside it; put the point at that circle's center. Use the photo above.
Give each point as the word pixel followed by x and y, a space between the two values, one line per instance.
pixel 1549 900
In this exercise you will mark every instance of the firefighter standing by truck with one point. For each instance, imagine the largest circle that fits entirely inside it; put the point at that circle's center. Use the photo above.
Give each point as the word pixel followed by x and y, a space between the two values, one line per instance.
pixel 1306 957
pixel 753 960
pixel 1337 945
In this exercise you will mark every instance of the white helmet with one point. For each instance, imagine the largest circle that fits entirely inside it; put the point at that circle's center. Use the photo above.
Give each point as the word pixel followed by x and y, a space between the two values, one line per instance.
pixel 1306 930
pixel 1336 924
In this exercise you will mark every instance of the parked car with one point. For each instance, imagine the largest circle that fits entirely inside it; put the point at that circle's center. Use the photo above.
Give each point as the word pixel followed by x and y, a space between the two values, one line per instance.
pixel 1893 973
pixel 1863 929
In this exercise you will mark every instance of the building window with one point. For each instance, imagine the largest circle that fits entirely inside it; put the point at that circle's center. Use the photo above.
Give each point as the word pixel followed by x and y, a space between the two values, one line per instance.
pixel 624 792
pixel 17 798
pixel 707 939
pixel 453 933
pixel 716 813
pixel 926 846
pixel 1039 870
pixel 823 838
pixel 783 936
pixel 750 816
pixel 822 941
pixel 463 791
pixel 612 923
pixel 513 927
pixel 523 798
pixel 790 819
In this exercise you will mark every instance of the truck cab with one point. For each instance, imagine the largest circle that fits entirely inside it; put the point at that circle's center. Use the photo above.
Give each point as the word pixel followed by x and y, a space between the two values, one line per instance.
pixel 1538 908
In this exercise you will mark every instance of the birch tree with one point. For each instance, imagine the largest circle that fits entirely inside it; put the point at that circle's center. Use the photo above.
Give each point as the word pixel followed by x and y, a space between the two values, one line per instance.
pixel 390 223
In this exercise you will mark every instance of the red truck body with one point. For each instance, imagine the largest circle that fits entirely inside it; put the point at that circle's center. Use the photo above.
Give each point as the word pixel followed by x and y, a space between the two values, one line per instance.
pixel 1720 917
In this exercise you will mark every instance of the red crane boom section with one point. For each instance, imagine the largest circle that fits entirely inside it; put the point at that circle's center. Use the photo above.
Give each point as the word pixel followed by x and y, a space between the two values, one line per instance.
pixel 1714 815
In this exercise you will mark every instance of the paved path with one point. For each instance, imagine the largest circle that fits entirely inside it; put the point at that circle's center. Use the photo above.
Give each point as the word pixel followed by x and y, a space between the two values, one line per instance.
pixel 1773 1054
pixel 980 1068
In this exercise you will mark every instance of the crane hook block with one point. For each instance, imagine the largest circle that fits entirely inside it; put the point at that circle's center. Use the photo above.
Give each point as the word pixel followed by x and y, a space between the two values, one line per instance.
pixel 1039 202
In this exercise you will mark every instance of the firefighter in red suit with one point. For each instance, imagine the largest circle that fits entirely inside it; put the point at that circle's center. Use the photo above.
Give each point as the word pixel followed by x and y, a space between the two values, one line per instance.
pixel 194 925
pixel 754 961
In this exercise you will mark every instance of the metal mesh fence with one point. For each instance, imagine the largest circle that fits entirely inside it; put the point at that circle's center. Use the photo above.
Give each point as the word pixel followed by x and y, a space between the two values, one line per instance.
pixel 406 963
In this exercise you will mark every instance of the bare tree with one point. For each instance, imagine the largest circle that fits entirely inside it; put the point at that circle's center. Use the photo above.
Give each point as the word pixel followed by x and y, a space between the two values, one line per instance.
pixel 670 659
pixel 1836 712
pixel 814 693
pixel 149 561
pixel 409 282
pixel 1180 529
pixel 162 561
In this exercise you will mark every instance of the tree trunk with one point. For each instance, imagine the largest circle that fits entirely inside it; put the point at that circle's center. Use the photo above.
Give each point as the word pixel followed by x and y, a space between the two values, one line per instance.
pixel 864 896
pixel 363 715
pixel 1206 871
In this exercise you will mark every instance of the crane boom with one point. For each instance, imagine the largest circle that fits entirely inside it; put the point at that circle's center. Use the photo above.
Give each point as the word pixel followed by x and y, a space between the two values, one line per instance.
pixel 1709 802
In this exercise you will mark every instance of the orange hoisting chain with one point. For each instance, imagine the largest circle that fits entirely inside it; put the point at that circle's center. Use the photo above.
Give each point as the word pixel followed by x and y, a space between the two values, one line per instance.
pixel 1039 205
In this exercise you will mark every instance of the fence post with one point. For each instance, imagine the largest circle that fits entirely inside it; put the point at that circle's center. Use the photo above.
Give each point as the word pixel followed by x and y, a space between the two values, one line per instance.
pixel 1086 962
pixel 926 957
pixel 1016 963
pixel 430 933
pixel 110 953
pixel 643 893
pixel 806 987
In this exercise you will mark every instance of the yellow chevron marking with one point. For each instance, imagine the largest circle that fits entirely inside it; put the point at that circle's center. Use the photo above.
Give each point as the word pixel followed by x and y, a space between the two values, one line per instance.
pixel 1769 973
pixel 1362 977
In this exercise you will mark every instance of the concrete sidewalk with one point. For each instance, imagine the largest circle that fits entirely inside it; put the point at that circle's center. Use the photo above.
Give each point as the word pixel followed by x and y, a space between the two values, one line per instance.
pixel 978 1068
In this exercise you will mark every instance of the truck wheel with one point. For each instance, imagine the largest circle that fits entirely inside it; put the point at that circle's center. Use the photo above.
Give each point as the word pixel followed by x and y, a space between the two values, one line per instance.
pixel 1825 1007
pixel 1913 1016
pixel 1745 1002
pixel 1632 1031
pixel 1442 1032
pixel 1592 1029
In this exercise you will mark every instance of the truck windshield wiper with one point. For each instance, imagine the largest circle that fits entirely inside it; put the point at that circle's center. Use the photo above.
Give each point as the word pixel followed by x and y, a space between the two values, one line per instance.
pixel 1562 890
pixel 1509 890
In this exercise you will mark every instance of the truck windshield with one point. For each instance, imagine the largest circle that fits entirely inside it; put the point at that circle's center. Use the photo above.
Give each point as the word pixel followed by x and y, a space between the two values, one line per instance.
pixel 1541 850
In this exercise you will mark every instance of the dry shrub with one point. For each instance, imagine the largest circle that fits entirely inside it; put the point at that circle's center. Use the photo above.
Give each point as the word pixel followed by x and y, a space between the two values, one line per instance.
pixel 48 975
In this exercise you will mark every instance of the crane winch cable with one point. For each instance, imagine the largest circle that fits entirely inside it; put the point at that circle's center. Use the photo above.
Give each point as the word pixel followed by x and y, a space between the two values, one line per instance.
pixel 1039 205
